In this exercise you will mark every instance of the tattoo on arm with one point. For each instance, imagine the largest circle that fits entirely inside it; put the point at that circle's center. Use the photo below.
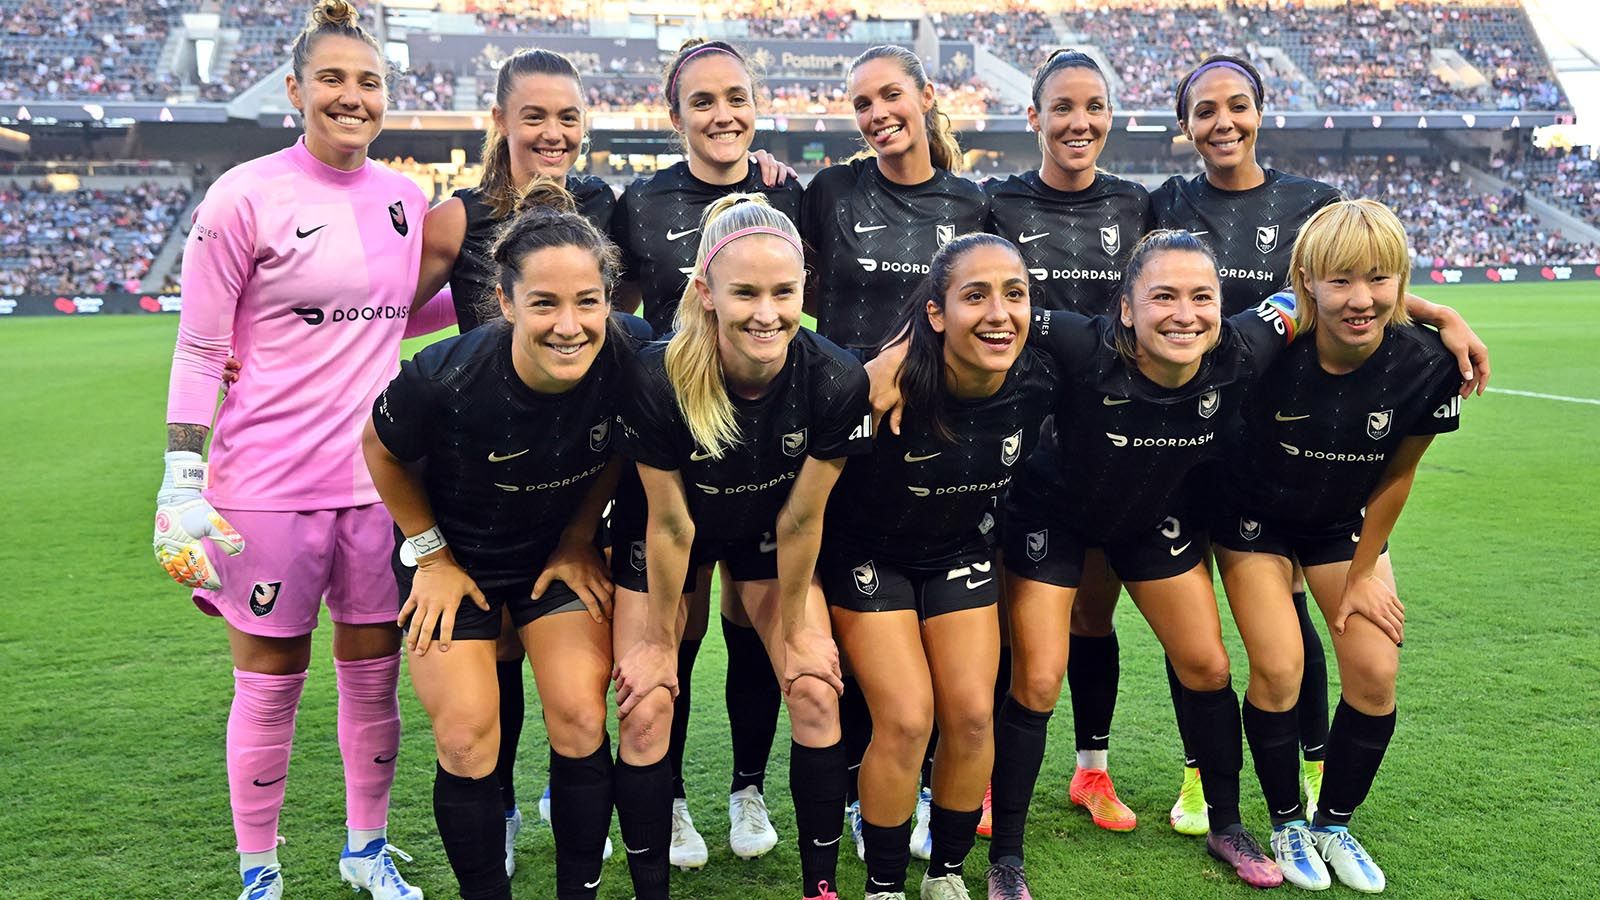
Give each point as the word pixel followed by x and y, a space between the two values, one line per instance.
pixel 186 437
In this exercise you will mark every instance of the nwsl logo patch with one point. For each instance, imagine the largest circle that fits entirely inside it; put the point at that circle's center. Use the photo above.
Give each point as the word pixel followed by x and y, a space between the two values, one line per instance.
pixel 397 217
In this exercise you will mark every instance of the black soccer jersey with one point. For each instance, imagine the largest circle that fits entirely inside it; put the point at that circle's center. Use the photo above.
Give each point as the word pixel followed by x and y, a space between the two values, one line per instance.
pixel 1314 445
pixel 472 277
pixel 1251 231
pixel 657 227
pixel 1075 243
pixel 504 465
pixel 872 240
pixel 924 502
pixel 1121 445
pixel 817 406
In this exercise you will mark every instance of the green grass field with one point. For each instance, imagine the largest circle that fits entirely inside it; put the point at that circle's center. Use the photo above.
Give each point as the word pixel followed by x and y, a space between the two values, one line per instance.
pixel 116 689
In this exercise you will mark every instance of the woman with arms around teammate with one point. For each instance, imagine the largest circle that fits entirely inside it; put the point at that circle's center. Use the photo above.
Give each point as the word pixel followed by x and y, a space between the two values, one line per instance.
pixel 908 562
pixel 493 452
pixel 1319 473
pixel 711 98
pixel 313 296
pixel 740 425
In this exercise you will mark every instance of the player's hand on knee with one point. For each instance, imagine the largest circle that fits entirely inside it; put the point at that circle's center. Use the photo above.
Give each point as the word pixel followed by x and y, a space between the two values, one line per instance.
pixel 581 568
pixel 647 665
pixel 183 518
pixel 436 594
pixel 1374 600
pixel 813 652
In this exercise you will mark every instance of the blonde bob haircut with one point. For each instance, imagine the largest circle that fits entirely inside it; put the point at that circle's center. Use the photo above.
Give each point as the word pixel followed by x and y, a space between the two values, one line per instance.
pixel 1357 236
pixel 693 363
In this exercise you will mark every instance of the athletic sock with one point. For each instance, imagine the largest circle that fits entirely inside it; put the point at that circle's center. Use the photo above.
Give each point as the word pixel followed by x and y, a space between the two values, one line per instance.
pixel 508 673
pixel 580 817
pixel 927 758
pixel 1019 739
pixel 753 701
pixel 855 729
pixel 644 810
pixel 954 833
pixel 1356 745
pixel 1094 667
pixel 1313 702
pixel 816 782
pixel 369 741
pixel 888 856
pixel 472 828
pixel 1176 689
pixel 1002 678
pixel 688 650
pixel 260 736
pixel 1274 742
pixel 1211 719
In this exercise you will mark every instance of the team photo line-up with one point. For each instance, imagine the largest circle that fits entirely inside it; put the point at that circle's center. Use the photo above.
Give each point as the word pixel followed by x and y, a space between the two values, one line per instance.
pixel 1020 398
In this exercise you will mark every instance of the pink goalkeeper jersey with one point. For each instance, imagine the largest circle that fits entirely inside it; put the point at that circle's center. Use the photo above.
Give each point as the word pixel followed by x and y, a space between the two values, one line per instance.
pixel 306 273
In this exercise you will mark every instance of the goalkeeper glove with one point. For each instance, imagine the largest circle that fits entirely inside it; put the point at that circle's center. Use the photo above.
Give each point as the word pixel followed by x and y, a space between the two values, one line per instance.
pixel 183 517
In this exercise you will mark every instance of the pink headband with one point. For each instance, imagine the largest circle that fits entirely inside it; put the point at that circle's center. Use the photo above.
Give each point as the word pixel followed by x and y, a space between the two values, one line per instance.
pixel 754 229
pixel 672 84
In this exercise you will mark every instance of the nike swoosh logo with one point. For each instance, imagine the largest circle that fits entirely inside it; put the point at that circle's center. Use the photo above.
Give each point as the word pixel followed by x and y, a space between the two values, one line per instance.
pixel 1030 238
pixel 305 234
pixel 751 774
pixel 974 585
pixel 384 762
pixel 1110 402
pixel 881 883
pixel 1175 551
pixel 1198 233
pixel 863 229
pixel 1100 737
pixel 825 843
pixel 1335 812
pixel 1355 537
pixel 633 852
pixel 1283 418
pixel 497 457
pixel 911 459
pixel 699 456
pixel 259 783
pixel 767 547
pixel 674 235
pixel 1285 812
pixel 593 884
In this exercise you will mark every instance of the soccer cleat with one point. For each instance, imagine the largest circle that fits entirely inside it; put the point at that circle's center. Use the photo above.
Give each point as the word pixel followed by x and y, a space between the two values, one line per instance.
pixel 750 831
pixel 1007 883
pixel 263 883
pixel 986 820
pixel 853 813
pixel 544 816
pixel 513 825
pixel 371 869
pixel 688 849
pixel 1189 814
pixel 1349 861
pixel 1298 857
pixel 945 887
pixel 1238 848
pixel 921 837
pixel 887 895
pixel 544 806
pixel 1092 790
pixel 824 892
pixel 1311 777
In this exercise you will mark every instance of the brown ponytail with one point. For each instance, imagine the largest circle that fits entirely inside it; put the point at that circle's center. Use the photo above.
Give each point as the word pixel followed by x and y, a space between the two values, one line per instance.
pixel 497 186
pixel 943 149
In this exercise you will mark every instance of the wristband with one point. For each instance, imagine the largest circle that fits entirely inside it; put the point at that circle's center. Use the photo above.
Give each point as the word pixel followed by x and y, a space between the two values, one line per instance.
pixel 418 546
pixel 186 469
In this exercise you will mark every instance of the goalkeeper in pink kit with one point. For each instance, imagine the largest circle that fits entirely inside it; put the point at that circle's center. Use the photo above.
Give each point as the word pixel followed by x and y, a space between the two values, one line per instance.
pixel 303 263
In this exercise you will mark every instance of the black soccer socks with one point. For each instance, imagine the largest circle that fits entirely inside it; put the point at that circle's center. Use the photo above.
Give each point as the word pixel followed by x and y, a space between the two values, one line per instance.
pixel 509 675
pixel 1019 738
pixel 1356 744
pixel 954 833
pixel 687 651
pixel 1313 703
pixel 1093 669
pixel 888 856
pixel 1274 742
pixel 644 811
pixel 816 781
pixel 580 818
pixel 753 701
pixel 1211 721
pixel 472 828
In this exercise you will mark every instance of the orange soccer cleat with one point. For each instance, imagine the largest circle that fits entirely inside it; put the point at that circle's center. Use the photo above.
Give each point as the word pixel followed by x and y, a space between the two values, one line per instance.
pixel 1092 790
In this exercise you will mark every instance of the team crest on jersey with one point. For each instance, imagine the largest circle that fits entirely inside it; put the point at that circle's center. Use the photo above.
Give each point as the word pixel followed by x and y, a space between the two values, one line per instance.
pixel 1209 401
pixel 1038 544
pixel 1378 423
pixel 636 555
pixel 397 217
pixel 600 435
pixel 1110 239
pixel 1011 448
pixel 794 443
pixel 945 233
pixel 264 596
pixel 866 576
pixel 1266 237
pixel 1249 529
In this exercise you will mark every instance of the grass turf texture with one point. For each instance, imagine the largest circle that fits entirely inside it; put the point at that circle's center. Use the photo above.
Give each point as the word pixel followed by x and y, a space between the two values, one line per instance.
pixel 117 690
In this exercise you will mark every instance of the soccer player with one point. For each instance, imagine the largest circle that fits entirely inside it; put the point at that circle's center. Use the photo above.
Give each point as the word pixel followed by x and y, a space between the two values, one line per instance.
pixel 493 452
pixel 740 425
pixel 1319 473
pixel 305 263
pixel 1076 227
pixel 908 562
pixel 711 97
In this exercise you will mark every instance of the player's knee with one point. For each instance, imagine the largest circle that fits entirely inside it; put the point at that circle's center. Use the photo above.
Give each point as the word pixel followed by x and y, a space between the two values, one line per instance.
pixel 813 706
pixel 1275 681
pixel 1205 670
pixel 1038 684
pixel 968 728
pixel 904 730
pixel 646 730
pixel 576 726
pixel 467 748
pixel 1370 685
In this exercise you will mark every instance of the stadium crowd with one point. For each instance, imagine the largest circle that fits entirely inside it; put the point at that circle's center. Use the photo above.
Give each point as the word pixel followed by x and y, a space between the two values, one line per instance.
pixel 83 241
pixel 1570 180
pixel 92 51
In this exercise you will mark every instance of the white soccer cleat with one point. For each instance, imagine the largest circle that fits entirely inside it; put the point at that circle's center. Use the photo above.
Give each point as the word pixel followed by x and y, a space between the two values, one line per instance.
pixel 688 849
pixel 371 869
pixel 513 825
pixel 264 883
pixel 921 837
pixel 1297 855
pixel 750 831
pixel 945 887
pixel 1350 862
pixel 886 895
pixel 853 814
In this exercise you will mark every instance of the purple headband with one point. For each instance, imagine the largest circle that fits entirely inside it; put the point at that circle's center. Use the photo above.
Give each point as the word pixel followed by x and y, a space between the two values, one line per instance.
pixel 1183 99
pixel 672 84
pixel 754 229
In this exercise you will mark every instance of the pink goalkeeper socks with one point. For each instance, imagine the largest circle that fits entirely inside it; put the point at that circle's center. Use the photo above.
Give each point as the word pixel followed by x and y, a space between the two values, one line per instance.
pixel 369 737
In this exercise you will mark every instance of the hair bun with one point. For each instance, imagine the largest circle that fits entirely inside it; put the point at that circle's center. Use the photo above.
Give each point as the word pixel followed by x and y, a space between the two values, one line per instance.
pixel 545 192
pixel 334 12
pixel 689 43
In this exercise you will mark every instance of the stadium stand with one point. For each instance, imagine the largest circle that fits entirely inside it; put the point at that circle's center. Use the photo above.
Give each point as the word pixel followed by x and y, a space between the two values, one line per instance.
pixel 86 240
pixel 1570 180
pixel 97 50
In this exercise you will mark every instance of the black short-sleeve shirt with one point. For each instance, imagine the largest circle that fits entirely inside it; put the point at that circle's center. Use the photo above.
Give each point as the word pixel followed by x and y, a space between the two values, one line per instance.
pixel 1252 232
pixel 816 406
pixel 657 228
pixel 872 240
pixel 1075 243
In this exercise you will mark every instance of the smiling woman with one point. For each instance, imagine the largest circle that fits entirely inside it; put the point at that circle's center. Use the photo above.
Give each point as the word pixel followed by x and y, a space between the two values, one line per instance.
pixel 338 82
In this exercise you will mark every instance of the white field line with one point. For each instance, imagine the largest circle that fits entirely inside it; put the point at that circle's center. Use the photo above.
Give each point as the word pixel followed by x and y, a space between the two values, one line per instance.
pixel 1540 396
